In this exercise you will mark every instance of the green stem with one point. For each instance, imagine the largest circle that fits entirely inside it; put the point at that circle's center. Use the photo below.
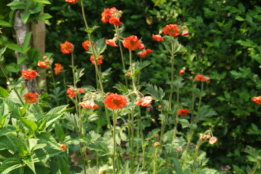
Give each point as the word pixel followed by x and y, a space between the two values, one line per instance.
pixel 56 98
pixel 177 117
pixel 7 78
pixel 114 141
pixel 138 81
pixel 83 159
pixel 155 162
pixel 257 164
pixel 201 93
pixel 142 139
pixel 195 156
pixel 65 86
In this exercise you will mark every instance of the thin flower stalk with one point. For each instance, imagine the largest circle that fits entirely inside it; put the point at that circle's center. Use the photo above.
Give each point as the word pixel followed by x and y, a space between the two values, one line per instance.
pixel 56 97
pixel 257 165
pixel 114 141
pixel 155 162
pixel 142 139
pixel 64 83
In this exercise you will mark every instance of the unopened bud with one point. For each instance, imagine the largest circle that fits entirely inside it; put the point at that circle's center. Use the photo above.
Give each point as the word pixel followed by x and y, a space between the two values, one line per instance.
pixel 181 72
pixel 156 144
pixel 178 149
pixel 207 79
pixel 156 136
pixel 159 106
pixel 94 97
pixel 190 77
pixel 47 61
pixel 44 57
pixel 128 74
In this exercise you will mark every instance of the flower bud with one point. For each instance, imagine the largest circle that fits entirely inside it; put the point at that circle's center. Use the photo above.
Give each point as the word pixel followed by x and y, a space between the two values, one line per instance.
pixel 207 79
pixel 47 61
pixel 185 33
pixel 190 77
pixel 44 57
pixel 181 72
pixel 63 147
pixel 178 149
pixel 128 74
pixel 86 96
pixel 94 97
pixel 156 144
pixel 156 136
pixel 141 47
pixel 149 108
pixel 159 106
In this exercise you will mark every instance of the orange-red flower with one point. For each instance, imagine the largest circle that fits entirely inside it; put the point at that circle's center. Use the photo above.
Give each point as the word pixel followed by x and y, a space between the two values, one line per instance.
pixel 58 68
pixel 157 38
pixel 99 61
pixel 63 147
pixel 80 90
pixel 144 53
pixel 66 47
pixel 42 64
pixel 71 93
pixel 29 74
pixel 185 33
pixel 115 101
pixel 115 21
pixel 183 112
pixel 88 105
pixel 200 78
pixel 172 30
pixel 30 97
pixel 257 100
pixel 148 51
pixel 146 101
pixel 86 45
pixel 111 42
pixel 71 1
pixel 142 46
pixel 131 42
pixel 105 15
pixel 213 140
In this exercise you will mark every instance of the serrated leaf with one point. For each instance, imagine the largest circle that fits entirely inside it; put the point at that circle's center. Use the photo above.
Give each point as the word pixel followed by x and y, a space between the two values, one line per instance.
pixel 184 123
pixel 42 1
pixel 29 162
pixel 47 138
pixel 3 92
pixel 177 165
pixel 18 144
pixel 79 73
pixel 29 124
pixel 155 92
pixel 63 165
pixel 59 132
pixel 45 152
pixel 9 165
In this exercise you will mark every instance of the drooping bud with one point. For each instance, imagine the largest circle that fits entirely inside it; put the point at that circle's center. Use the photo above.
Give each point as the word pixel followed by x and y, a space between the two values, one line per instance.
pixel 178 149
pixel 44 57
pixel 190 77
pixel 181 72
pixel 159 106
pixel 156 136
pixel 47 61
pixel 156 144
pixel 185 33
pixel 128 74
pixel 207 79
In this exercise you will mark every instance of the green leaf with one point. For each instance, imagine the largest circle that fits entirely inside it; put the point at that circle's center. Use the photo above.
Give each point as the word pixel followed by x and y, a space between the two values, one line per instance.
pixel 18 144
pixel 15 3
pixel 21 60
pixel 42 126
pixel 177 165
pixel 42 1
pixel 44 17
pixel 239 18
pixel 27 40
pixel 208 171
pixel 3 92
pixel 9 165
pixel 45 152
pixel 25 16
pixel 13 107
pixel 59 132
pixel 254 127
pixel 57 110
pixel 5 24
pixel 63 165
pixel 184 123
pixel 14 47
pixel 2 51
pixel 155 92
pixel 12 68
pixel 29 124
pixel 5 142
pixel 79 73
pixel 29 162
pixel 47 138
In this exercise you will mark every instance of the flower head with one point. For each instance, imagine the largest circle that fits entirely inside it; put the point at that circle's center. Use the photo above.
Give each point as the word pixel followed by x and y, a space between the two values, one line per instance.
pixel 257 100
pixel 105 15
pixel 89 105
pixel 157 38
pixel 159 106
pixel 142 46
pixel 185 33
pixel 99 60
pixel 131 43
pixel 42 64
pixel 58 68
pixel 30 97
pixel 47 61
pixel 128 74
pixel 70 92
pixel 183 112
pixel 86 45
pixel 71 1
pixel 182 72
pixel 172 30
pixel 63 147
pixel 115 101
pixel 207 79
pixel 80 90
pixel 66 47
pixel 200 78
pixel 111 42
pixel 156 144
pixel 115 21
pixel 44 57
pixel 29 74
pixel 146 101
pixel 213 140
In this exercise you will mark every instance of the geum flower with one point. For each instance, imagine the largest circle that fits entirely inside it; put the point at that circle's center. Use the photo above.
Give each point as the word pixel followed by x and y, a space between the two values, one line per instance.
pixel 144 53
pixel 257 100
pixel 71 1
pixel 58 68
pixel 146 101
pixel 42 64
pixel 185 33
pixel 106 15
pixel 89 105
pixel 131 43
pixel 99 60
pixel 63 147
pixel 183 112
pixel 86 45
pixel 115 21
pixel 30 97
pixel 142 46
pixel 70 92
pixel 157 38
pixel 111 42
pixel 29 74
pixel 172 30
pixel 213 140
pixel 66 47
pixel 115 101
pixel 199 78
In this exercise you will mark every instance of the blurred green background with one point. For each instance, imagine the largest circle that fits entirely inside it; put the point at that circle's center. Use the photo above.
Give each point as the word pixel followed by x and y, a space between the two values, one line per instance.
pixel 224 44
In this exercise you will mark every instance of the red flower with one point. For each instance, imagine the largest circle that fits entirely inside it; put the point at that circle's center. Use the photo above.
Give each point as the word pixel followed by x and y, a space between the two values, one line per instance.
pixel 115 21
pixel 200 78
pixel 146 101
pixel 111 42
pixel 71 1
pixel 139 54
pixel 29 74
pixel 172 30
pixel 42 64
pixel 148 51
pixel 185 33
pixel 115 101
pixel 86 45
pixel 66 47
pixel 80 90
pixel 63 147
pixel 159 106
pixel 183 112
pixel 71 93
pixel 131 42
pixel 99 61
pixel 207 79
pixel 88 105
pixel 105 15
pixel 157 38
pixel 47 61
pixel 30 97
pixel 58 68
pixel 145 52
pixel 182 72
pixel 141 47
pixel 257 100
pixel 128 74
